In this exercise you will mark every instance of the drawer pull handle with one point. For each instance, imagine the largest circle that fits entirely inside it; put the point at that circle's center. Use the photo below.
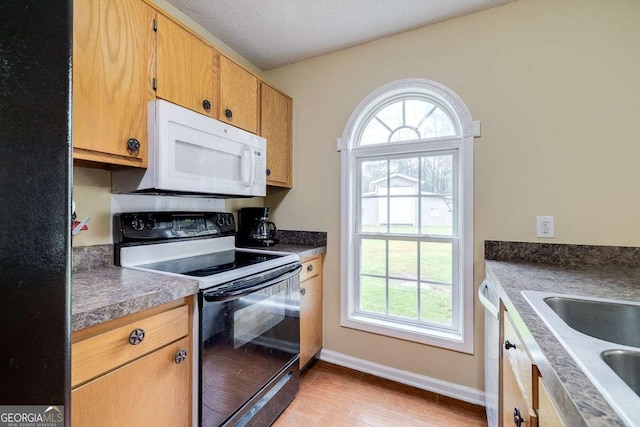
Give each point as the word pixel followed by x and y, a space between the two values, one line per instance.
pixel 517 418
pixel 303 291
pixel 310 268
pixel 181 355
pixel 136 336
pixel 508 345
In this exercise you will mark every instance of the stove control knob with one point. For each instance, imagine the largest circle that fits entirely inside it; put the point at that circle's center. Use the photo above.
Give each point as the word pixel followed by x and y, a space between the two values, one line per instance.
pixel 220 221
pixel 137 224
pixel 152 223
pixel 227 220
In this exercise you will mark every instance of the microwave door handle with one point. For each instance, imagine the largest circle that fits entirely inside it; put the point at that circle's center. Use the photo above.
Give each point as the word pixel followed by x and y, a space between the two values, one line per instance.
pixel 246 162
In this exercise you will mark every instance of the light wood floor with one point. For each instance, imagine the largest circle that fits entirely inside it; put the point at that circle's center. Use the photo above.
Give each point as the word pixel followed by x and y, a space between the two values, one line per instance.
pixel 331 396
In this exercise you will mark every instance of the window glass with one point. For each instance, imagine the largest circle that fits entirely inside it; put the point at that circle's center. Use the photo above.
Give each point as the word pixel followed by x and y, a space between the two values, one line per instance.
pixel 407 120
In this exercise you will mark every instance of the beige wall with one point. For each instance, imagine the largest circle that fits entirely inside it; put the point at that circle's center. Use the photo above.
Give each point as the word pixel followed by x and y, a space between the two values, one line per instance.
pixel 555 84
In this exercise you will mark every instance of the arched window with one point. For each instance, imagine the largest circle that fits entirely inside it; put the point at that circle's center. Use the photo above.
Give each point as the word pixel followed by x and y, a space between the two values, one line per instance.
pixel 407 215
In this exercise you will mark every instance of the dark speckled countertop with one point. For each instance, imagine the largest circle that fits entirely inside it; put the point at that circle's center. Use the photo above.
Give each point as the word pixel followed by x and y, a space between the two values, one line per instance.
pixel 108 293
pixel 102 292
pixel 580 401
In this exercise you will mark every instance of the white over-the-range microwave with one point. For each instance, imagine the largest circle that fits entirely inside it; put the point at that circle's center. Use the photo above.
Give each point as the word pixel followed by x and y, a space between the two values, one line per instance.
pixel 190 153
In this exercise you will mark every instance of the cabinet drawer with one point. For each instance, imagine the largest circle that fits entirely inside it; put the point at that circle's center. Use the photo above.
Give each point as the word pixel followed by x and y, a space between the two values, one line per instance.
pixel 99 354
pixel 310 268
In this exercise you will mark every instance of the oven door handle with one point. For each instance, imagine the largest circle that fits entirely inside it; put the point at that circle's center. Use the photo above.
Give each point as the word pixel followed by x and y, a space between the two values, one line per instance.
pixel 239 293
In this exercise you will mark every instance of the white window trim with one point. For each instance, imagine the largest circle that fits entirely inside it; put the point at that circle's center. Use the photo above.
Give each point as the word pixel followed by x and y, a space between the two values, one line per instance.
pixel 468 130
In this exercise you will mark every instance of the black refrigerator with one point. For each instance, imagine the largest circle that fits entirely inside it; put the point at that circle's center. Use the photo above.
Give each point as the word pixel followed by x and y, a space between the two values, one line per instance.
pixel 35 182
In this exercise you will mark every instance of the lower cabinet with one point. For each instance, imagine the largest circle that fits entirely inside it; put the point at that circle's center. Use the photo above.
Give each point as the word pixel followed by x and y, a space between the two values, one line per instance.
pixel 519 379
pixel 548 414
pixel 524 400
pixel 310 309
pixel 134 371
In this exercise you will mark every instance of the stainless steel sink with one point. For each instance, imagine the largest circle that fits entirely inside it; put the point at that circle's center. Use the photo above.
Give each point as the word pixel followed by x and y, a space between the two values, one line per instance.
pixel 614 322
pixel 603 337
pixel 626 364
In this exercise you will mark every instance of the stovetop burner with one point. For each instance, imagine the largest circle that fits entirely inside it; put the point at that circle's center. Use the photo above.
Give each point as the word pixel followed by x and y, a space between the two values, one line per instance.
pixel 206 265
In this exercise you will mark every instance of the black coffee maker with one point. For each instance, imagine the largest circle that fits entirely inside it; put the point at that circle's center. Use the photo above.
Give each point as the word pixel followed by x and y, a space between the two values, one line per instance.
pixel 255 229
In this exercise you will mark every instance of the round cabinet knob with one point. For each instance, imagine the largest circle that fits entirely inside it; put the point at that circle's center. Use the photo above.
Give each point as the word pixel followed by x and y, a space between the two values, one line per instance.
pixel 310 268
pixel 508 345
pixel 133 145
pixel 303 291
pixel 228 113
pixel 268 172
pixel 517 418
pixel 206 104
pixel 136 336
pixel 181 356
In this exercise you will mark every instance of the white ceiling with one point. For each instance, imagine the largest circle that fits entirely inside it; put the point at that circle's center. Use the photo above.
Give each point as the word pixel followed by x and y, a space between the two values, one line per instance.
pixel 273 33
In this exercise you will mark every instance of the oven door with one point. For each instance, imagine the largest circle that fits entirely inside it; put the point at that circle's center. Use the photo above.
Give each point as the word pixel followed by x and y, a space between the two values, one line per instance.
pixel 249 336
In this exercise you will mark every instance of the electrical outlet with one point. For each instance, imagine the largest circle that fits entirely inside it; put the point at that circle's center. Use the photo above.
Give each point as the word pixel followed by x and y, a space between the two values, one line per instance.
pixel 544 227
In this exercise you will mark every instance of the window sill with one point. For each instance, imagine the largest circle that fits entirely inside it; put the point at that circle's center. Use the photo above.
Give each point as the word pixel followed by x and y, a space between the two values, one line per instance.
pixel 433 337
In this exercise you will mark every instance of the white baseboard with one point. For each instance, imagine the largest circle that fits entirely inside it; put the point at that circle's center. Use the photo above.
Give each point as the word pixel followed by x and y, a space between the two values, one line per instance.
pixel 460 392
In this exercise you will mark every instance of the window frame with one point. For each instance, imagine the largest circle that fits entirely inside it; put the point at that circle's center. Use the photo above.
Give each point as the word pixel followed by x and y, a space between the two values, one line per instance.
pixel 352 155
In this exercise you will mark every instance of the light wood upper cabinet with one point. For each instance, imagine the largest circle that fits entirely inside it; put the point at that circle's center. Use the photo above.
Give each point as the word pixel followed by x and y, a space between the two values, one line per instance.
pixel 187 72
pixel 275 125
pixel 310 309
pixel 113 64
pixel 238 96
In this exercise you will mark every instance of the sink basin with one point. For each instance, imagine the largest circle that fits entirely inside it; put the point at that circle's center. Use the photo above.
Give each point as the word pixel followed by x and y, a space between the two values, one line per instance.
pixel 614 322
pixel 603 337
pixel 626 364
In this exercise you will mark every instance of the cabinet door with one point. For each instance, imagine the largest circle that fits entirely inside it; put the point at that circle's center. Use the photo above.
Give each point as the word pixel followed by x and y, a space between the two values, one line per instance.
pixel 187 69
pixel 152 391
pixel 238 96
pixel 310 310
pixel 113 62
pixel 275 126
pixel 548 414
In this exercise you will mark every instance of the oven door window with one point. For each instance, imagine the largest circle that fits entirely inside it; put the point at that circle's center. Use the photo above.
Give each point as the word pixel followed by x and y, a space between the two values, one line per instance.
pixel 245 343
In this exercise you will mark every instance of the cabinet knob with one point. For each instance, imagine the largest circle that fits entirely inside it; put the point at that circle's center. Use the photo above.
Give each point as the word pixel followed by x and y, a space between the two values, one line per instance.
pixel 517 418
pixel 268 172
pixel 181 355
pixel 206 104
pixel 228 113
pixel 133 145
pixel 508 345
pixel 136 336
pixel 303 291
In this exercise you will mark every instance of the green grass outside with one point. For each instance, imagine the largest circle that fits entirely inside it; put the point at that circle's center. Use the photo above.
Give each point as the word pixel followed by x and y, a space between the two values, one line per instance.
pixel 435 265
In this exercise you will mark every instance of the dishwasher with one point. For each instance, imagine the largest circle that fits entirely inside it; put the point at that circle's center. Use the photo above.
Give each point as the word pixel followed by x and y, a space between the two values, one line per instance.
pixel 490 300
